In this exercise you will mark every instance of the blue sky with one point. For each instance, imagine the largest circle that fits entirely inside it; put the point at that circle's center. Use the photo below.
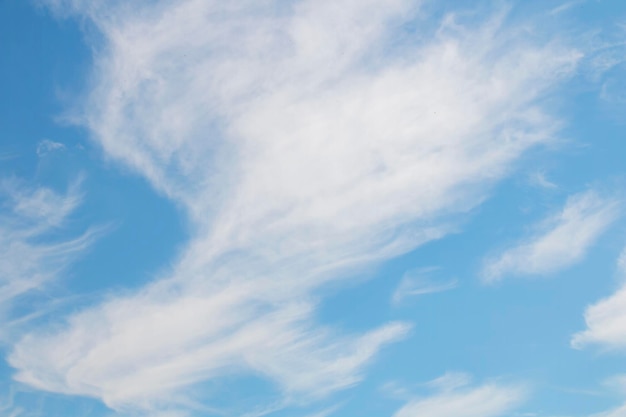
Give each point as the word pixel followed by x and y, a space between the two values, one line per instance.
pixel 312 208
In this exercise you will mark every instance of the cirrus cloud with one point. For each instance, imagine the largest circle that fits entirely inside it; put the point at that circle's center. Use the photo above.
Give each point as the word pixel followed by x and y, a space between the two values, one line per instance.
pixel 306 141
pixel 561 240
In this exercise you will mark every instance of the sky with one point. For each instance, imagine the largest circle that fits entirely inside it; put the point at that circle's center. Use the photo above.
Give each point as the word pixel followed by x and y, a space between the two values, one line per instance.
pixel 312 208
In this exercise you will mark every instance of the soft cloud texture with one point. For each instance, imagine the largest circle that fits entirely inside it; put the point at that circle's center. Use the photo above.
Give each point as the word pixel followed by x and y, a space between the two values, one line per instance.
pixel 617 412
pixel 31 254
pixel 560 240
pixel 420 282
pixel 606 323
pixel 155 347
pixel 47 146
pixel 606 319
pixel 460 399
pixel 306 140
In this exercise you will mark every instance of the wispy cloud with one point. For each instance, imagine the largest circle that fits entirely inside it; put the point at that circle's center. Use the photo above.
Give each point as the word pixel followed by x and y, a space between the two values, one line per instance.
pixel 47 146
pixel 621 261
pixel 326 412
pixel 451 381
pixel 306 140
pixel 612 386
pixel 560 241
pixel 488 400
pixel 31 256
pixel 606 320
pixel 420 282
pixel 8 406
pixel 606 323
pixel 539 179
pixel 159 356
pixel 606 328
pixel 566 6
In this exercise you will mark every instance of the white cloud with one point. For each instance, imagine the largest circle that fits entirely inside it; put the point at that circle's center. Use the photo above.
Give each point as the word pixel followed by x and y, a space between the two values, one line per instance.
pixel 606 323
pixel 7 404
pixel 617 412
pixel 148 348
pixel 326 412
pixel 306 140
pixel 539 179
pixel 47 146
pixel 31 256
pixel 560 240
pixel 488 400
pixel 621 262
pixel 419 282
pixel 606 320
pixel 451 381
pixel 606 328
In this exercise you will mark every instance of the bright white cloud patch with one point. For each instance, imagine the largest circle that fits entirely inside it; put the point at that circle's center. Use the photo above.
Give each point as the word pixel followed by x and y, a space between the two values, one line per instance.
pixel 306 140
pixel 489 400
pixel 539 179
pixel 155 347
pixel 606 320
pixel 606 328
pixel 606 323
pixel 560 241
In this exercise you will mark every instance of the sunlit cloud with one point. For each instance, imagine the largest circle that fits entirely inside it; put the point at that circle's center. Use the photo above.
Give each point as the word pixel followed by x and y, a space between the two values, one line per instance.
pixel 606 319
pixel 559 241
pixel 305 141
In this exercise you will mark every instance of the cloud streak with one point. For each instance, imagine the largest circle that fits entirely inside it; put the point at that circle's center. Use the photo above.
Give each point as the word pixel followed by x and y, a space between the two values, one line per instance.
pixel 418 282
pixel 559 242
pixel 606 319
pixel 488 400
pixel 48 146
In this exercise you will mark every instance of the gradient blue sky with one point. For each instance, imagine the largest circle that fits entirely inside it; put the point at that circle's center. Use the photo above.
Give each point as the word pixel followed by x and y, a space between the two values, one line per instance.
pixel 313 208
